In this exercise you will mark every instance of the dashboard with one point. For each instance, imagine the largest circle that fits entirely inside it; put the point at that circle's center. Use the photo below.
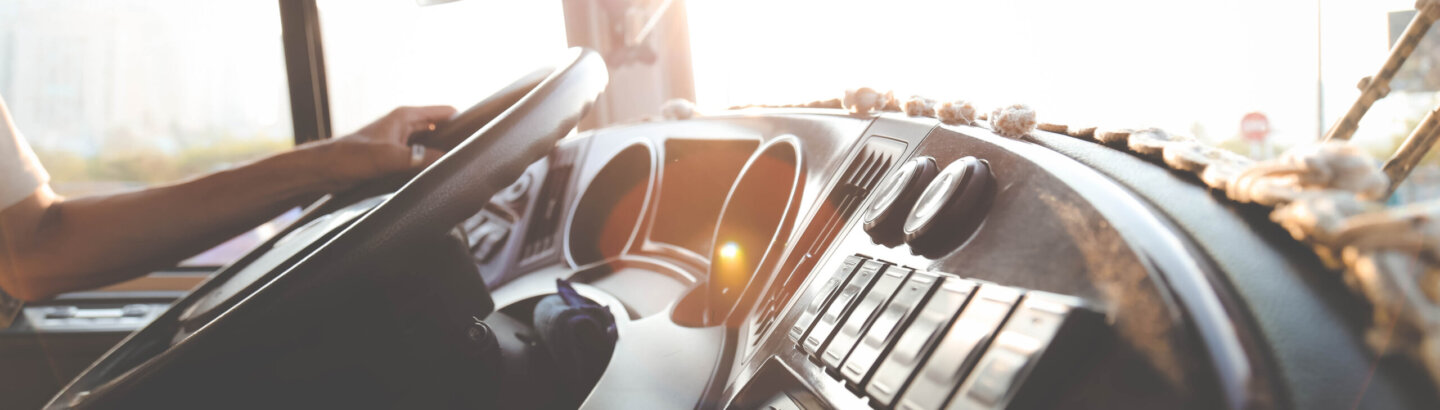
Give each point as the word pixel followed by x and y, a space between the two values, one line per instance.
pixel 806 258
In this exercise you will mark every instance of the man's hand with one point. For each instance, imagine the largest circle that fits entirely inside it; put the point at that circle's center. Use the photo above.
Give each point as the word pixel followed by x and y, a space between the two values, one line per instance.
pixel 379 149
pixel 50 245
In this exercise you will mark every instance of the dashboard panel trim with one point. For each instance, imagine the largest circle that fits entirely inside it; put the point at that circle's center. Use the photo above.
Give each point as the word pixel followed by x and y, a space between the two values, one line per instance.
pixel 1163 247
pixel 645 204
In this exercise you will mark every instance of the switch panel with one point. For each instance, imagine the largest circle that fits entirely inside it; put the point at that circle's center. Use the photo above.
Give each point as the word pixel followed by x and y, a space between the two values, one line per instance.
pixel 909 339
pixel 961 347
pixel 887 326
pixel 1017 349
pixel 864 313
pixel 825 295
pixel 858 284
pixel 918 340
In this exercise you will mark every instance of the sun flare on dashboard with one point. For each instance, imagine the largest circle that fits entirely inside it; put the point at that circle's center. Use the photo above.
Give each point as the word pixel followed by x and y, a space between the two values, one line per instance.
pixel 730 251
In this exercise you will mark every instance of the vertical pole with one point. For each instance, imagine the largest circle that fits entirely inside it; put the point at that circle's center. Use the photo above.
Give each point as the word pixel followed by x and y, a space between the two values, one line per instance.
pixel 637 87
pixel 1319 71
pixel 305 70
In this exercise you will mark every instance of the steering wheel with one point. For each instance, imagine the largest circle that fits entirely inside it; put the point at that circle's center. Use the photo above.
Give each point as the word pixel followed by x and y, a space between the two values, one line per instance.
pixel 240 329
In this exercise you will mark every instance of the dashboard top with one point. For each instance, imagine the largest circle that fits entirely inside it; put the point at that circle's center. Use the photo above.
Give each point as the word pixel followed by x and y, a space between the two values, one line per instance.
pixel 1188 288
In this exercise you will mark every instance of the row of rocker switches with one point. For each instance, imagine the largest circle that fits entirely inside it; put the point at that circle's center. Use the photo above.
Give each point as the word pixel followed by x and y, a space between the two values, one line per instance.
pixel 911 339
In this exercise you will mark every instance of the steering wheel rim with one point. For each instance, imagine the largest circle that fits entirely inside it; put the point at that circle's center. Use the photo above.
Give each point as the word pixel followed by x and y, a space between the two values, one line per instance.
pixel 497 146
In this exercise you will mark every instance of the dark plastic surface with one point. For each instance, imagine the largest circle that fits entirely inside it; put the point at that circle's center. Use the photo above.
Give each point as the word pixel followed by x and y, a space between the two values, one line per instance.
pixel 1020 346
pixel 695 176
pixel 864 313
pixel 893 374
pixel 951 207
pixel 959 349
pixel 887 327
pixel 1207 307
pixel 1304 327
pixel 827 294
pixel 885 216
pixel 754 223
pixel 859 285
pixel 1058 226
pixel 607 214
pixel 146 369
pixel 846 189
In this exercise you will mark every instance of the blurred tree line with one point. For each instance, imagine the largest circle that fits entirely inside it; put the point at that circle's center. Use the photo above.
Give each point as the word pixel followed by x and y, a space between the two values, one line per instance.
pixel 138 165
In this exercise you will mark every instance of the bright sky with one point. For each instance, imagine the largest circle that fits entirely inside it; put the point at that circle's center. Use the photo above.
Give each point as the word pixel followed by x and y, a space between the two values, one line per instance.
pixel 453 53
pixel 1190 67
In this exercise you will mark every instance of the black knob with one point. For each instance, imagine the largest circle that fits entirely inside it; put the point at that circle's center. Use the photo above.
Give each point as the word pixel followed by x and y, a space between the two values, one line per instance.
pixel 951 208
pixel 885 217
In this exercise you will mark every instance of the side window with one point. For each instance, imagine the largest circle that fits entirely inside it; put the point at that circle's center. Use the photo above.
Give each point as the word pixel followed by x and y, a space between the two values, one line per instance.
pixel 116 95
pixel 120 94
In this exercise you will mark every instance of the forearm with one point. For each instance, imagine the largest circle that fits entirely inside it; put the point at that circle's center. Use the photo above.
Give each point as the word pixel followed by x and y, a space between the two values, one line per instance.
pixel 91 242
pixel 49 246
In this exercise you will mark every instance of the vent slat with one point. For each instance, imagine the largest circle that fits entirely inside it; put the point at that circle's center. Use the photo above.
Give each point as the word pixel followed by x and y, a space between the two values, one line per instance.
pixel 859 168
pixel 875 158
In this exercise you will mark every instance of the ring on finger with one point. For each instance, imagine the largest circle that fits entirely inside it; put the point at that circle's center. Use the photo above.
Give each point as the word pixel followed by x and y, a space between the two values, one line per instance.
pixel 417 155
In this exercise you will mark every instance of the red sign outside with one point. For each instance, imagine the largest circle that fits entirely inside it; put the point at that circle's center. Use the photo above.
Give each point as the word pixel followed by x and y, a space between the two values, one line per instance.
pixel 1254 126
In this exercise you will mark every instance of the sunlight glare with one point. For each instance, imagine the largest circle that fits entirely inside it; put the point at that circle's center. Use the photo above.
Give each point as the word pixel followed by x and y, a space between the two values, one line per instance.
pixel 1190 67
pixel 730 250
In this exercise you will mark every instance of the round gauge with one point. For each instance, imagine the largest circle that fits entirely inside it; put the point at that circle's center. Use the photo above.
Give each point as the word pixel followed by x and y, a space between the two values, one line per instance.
pixel 754 222
pixel 607 216
pixel 885 217
pixel 950 208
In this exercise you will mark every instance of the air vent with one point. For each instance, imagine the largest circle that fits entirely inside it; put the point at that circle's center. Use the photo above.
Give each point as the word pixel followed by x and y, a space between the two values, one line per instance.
pixel 541 236
pixel 876 157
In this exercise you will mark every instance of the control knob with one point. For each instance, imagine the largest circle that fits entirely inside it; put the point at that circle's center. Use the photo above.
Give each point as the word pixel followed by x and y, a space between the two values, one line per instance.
pixel 885 217
pixel 951 208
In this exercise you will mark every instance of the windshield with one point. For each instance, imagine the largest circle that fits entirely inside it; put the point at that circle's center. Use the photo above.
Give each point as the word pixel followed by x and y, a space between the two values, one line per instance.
pixel 453 53
pixel 1189 67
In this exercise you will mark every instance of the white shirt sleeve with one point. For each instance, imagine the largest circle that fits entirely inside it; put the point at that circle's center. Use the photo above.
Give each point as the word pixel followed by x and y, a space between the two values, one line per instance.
pixel 20 172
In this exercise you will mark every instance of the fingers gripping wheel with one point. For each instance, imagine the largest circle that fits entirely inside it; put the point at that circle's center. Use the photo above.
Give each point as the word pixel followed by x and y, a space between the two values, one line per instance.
pixel 234 357
pixel 885 217
pixel 951 208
